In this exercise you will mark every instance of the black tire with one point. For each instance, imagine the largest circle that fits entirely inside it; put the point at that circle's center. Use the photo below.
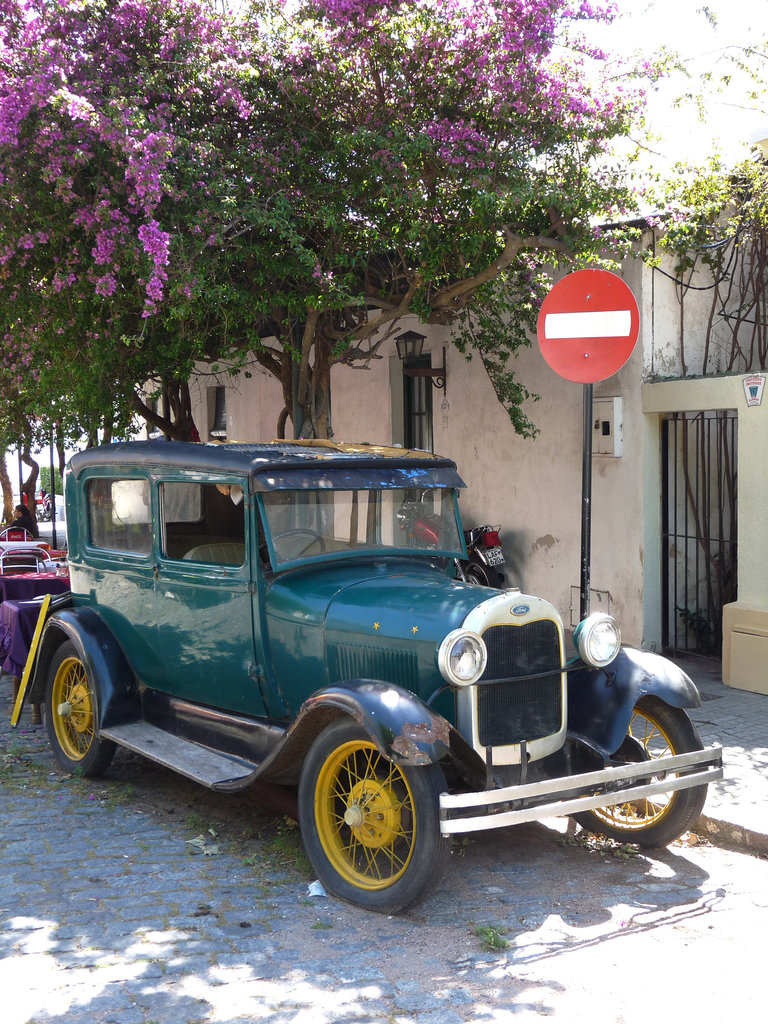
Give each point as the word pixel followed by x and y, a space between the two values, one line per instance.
pixel 656 729
pixel 71 716
pixel 476 571
pixel 370 828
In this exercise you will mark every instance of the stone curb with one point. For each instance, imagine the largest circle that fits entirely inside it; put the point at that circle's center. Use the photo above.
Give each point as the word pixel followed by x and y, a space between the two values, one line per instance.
pixel 731 836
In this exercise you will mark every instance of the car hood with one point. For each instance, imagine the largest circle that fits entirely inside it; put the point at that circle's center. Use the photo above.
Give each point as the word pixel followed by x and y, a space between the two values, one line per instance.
pixel 405 602
pixel 361 620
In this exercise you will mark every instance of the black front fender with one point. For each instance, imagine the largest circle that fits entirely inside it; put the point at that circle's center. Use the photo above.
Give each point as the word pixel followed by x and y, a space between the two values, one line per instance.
pixel 401 725
pixel 102 656
pixel 404 729
pixel 601 701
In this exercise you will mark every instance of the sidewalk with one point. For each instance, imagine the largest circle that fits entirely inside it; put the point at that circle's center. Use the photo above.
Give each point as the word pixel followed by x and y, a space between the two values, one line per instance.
pixel 736 811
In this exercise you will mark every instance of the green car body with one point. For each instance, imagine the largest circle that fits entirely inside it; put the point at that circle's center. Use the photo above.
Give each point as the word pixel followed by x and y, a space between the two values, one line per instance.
pixel 295 613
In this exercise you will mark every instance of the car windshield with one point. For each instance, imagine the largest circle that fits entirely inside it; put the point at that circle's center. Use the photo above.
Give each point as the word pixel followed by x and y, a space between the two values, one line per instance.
pixel 309 524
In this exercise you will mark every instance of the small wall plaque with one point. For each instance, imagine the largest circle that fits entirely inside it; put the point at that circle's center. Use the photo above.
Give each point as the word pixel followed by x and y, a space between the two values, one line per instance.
pixel 754 385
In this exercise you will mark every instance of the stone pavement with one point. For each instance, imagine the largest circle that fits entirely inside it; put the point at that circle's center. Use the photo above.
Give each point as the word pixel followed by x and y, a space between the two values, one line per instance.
pixel 736 811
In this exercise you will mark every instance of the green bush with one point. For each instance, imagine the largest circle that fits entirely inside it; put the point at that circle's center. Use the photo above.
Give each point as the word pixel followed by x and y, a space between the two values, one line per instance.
pixel 44 480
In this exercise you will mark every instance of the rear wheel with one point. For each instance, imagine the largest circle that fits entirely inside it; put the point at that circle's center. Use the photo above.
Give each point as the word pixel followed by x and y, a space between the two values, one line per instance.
pixel 656 729
pixel 476 571
pixel 371 828
pixel 71 716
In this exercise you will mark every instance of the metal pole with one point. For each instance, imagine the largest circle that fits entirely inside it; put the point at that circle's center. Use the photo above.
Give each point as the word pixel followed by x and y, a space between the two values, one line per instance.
pixel 586 504
pixel 54 543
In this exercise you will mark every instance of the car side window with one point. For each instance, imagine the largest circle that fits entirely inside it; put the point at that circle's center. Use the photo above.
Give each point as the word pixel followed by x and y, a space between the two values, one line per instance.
pixel 119 514
pixel 203 522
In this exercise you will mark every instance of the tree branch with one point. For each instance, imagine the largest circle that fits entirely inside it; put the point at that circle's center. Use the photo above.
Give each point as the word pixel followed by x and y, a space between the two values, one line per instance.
pixel 514 245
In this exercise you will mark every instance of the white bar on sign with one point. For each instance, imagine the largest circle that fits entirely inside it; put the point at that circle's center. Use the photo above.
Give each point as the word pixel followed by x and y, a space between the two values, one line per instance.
pixel 600 323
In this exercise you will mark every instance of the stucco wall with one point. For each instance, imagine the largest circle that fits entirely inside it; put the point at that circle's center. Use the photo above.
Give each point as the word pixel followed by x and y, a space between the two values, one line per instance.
pixel 253 404
pixel 674 322
pixel 531 487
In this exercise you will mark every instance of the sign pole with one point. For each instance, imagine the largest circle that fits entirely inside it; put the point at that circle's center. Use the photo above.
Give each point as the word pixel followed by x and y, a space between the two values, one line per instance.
pixel 587 328
pixel 586 505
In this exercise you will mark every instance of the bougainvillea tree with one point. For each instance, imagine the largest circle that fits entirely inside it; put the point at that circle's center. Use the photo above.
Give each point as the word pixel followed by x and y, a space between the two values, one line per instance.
pixel 118 123
pixel 286 184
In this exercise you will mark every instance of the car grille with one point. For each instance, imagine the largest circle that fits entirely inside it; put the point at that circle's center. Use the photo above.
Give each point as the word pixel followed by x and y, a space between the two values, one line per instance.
pixel 369 661
pixel 529 709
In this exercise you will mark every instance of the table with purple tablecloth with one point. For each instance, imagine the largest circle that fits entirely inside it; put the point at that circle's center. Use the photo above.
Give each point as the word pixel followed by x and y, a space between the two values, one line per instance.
pixel 24 586
pixel 17 627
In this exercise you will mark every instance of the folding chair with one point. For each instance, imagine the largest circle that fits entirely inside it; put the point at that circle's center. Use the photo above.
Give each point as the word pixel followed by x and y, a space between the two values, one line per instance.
pixel 17 560
pixel 15 533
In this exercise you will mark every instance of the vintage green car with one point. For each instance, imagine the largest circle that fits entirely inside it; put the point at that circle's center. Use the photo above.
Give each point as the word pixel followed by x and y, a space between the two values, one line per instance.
pixel 295 613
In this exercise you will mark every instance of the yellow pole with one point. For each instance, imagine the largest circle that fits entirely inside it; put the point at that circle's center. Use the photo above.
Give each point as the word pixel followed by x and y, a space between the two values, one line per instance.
pixel 30 660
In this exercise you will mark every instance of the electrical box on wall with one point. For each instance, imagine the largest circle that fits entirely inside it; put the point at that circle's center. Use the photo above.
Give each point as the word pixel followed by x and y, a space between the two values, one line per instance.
pixel 607 427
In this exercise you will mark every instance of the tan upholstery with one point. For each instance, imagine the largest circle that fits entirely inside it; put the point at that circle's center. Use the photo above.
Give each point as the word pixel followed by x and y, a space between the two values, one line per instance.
pixel 226 553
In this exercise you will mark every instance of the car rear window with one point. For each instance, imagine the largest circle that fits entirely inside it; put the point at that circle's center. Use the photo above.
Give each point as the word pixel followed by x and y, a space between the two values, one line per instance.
pixel 119 514
pixel 203 522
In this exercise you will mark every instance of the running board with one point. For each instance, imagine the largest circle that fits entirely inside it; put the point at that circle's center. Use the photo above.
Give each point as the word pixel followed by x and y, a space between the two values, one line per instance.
pixel 201 764
pixel 552 798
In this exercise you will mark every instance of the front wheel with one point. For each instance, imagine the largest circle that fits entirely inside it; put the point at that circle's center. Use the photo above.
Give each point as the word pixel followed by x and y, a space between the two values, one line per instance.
pixel 370 827
pixel 70 716
pixel 656 729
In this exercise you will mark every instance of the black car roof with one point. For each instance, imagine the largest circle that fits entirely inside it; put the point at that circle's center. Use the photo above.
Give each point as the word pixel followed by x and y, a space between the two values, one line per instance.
pixel 278 465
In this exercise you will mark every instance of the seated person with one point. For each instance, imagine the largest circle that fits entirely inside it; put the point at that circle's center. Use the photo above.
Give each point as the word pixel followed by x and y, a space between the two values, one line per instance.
pixel 24 521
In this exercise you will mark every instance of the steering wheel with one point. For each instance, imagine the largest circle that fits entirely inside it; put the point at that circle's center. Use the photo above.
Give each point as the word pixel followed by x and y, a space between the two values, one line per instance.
pixel 314 538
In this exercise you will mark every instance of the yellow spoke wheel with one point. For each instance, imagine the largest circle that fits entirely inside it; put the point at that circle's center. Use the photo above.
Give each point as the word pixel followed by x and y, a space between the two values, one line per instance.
pixel 72 709
pixel 370 826
pixel 656 729
pixel 71 715
pixel 364 813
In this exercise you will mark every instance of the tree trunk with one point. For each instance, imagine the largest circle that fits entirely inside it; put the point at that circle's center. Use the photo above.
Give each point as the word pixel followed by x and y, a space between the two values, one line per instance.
pixel 311 406
pixel 177 424
pixel 29 485
pixel 8 501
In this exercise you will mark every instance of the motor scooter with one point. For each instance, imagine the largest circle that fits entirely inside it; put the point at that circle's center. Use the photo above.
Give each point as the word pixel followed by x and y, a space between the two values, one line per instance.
pixel 486 558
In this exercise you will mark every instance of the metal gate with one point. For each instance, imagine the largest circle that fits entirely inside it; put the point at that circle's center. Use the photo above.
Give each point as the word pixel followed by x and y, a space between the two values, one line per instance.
pixel 699 528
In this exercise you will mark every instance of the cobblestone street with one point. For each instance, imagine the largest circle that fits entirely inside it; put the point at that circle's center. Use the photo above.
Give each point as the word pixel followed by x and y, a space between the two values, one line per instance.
pixel 119 904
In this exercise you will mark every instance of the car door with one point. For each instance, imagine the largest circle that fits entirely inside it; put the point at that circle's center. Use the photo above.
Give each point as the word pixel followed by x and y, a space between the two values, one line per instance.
pixel 111 559
pixel 203 595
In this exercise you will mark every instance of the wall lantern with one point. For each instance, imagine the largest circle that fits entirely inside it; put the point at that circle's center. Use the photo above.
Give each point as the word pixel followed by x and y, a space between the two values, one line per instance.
pixel 409 347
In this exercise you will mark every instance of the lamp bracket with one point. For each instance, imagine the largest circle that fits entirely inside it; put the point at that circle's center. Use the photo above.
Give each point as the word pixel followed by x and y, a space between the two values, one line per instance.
pixel 437 374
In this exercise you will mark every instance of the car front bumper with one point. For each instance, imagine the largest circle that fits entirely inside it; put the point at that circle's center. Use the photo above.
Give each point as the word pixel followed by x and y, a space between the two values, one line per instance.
pixel 571 794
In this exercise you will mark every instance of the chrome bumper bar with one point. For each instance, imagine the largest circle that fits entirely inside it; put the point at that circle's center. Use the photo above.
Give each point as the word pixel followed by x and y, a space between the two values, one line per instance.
pixel 573 793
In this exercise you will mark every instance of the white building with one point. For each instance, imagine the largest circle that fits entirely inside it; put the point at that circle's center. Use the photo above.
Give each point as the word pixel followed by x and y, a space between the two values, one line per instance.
pixel 664 523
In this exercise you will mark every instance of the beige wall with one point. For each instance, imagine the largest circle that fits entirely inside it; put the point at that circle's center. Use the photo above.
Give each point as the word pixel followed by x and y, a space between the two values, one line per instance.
pixel 665 321
pixel 531 487
pixel 253 404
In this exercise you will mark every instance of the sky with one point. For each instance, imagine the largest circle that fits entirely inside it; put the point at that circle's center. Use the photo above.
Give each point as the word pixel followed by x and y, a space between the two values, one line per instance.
pixel 681 25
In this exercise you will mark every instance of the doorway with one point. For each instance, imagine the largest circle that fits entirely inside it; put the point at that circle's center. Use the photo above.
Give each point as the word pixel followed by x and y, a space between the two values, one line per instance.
pixel 699 549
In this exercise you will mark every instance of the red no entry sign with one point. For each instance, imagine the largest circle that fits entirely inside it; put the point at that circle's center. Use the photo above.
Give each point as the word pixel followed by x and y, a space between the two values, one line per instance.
pixel 588 326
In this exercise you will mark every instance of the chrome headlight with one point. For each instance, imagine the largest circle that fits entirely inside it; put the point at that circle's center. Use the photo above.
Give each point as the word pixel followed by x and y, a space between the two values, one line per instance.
pixel 597 639
pixel 462 657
